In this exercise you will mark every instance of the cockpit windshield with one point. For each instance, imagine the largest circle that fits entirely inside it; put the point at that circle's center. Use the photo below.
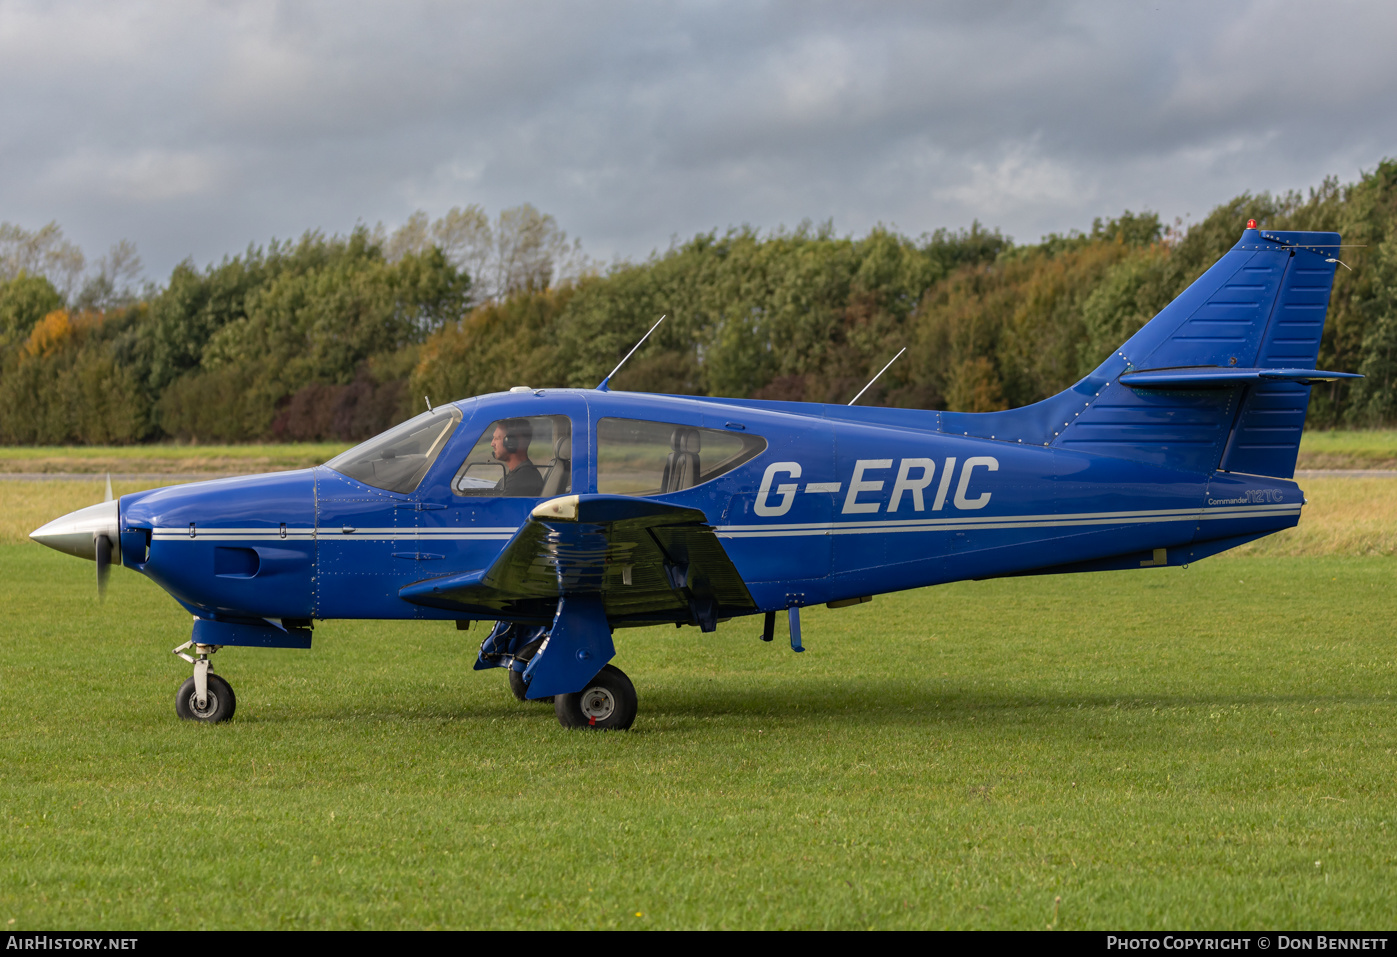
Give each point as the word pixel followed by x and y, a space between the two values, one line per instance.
pixel 397 460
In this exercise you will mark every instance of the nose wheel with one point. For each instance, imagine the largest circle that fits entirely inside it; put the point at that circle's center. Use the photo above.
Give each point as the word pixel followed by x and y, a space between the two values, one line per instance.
pixel 218 705
pixel 205 696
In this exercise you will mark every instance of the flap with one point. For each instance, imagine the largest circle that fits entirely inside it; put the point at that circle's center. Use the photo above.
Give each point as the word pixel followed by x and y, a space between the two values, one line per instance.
pixel 649 562
pixel 1218 377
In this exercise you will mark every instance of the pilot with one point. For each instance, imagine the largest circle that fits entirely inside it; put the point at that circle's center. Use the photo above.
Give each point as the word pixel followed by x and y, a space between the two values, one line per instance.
pixel 510 443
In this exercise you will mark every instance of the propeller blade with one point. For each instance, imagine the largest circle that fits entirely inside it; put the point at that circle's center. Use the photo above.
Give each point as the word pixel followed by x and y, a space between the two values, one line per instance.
pixel 102 546
pixel 109 488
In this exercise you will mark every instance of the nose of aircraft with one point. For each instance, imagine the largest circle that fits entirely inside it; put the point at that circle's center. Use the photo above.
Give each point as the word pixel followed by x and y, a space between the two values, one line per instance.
pixel 76 533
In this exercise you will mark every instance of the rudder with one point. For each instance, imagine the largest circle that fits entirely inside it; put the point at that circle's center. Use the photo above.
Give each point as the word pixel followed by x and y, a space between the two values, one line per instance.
pixel 1265 439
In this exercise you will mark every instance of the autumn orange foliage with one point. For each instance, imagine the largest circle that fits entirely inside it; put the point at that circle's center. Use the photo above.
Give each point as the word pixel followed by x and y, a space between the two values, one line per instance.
pixel 49 334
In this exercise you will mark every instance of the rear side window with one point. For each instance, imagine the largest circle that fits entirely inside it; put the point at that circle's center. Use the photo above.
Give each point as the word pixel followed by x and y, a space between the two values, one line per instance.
pixel 638 457
pixel 525 457
pixel 397 460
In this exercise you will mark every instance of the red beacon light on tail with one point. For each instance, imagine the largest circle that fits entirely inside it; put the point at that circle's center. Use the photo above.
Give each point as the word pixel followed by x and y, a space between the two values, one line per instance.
pixel 1251 224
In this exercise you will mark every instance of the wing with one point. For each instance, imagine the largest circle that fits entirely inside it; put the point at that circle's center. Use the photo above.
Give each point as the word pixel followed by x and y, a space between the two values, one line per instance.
pixel 650 563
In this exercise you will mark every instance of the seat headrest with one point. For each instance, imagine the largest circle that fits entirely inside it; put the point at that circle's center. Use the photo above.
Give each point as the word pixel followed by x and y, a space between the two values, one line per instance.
pixel 684 440
pixel 562 448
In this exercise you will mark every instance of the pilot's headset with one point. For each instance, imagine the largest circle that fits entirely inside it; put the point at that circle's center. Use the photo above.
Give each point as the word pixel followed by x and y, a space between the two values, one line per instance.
pixel 517 433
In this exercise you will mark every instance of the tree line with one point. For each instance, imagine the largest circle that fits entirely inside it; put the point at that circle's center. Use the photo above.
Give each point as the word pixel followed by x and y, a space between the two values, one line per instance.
pixel 337 337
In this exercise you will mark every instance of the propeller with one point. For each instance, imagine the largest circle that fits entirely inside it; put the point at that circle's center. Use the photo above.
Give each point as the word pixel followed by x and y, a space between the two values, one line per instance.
pixel 102 552
pixel 92 532
pixel 102 546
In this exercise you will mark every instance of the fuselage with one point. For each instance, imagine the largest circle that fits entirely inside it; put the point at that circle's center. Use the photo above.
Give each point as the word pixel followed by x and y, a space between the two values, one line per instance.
pixel 812 504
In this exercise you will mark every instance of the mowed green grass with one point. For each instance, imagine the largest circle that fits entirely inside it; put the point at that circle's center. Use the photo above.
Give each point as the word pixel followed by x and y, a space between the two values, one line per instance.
pixel 1202 747
pixel 167 457
pixel 1348 449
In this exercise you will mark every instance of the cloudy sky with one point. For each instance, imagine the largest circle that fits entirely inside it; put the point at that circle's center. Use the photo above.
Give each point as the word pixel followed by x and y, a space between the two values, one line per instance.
pixel 194 129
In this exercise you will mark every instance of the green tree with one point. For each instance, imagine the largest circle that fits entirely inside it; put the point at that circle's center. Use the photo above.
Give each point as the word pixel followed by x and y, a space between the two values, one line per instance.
pixel 25 300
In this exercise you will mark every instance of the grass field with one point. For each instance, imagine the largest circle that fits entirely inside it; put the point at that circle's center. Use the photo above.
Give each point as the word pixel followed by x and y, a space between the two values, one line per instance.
pixel 1339 449
pixel 165 459
pixel 1203 747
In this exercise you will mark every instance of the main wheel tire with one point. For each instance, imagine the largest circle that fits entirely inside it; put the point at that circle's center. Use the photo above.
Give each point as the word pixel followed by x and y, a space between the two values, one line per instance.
pixel 221 702
pixel 608 703
pixel 517 684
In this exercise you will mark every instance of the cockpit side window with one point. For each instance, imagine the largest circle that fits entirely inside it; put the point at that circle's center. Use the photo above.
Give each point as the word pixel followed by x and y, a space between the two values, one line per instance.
pixel 638 457
pixel 525 457
pixel 397 460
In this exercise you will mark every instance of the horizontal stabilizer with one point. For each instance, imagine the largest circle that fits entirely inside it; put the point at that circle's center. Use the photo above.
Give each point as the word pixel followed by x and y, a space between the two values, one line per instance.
pixel 1218 377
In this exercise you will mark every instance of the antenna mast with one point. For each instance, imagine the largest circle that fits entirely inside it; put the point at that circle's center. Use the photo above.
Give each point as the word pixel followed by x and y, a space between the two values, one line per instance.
pixel 880 372
pixel 602 386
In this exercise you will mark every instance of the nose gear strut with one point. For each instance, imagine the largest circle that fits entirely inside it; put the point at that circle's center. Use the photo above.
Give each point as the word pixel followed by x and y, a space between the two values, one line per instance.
pixel 205 696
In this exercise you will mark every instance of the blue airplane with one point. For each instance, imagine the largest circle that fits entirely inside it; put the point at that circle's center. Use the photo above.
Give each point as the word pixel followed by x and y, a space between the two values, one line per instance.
pixel 563 514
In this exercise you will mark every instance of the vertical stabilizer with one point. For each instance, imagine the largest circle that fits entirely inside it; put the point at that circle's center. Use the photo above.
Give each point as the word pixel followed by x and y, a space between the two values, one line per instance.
pixel 1261 306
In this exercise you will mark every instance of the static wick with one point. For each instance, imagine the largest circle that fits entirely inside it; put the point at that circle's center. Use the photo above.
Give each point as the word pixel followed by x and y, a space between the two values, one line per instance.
pixel 602 384
pixel 428 400
pixel 880 372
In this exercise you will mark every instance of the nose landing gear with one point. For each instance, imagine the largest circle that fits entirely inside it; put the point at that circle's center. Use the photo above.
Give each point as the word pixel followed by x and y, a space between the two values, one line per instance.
pixel 204 697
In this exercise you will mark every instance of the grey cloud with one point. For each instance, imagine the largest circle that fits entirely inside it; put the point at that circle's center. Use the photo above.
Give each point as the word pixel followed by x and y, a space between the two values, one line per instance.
pixel 196 129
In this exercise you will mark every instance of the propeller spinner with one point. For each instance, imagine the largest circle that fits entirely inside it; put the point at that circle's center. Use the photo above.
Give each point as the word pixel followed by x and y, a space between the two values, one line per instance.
pixel 91 532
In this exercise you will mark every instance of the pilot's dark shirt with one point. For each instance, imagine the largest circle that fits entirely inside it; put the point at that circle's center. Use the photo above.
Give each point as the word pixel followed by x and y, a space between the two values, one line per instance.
pixel 523 482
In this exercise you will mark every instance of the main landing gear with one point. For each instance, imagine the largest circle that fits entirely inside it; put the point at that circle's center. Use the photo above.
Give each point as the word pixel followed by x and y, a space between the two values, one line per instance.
pixel 607 703
pixel 204 697
pixel 515 670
